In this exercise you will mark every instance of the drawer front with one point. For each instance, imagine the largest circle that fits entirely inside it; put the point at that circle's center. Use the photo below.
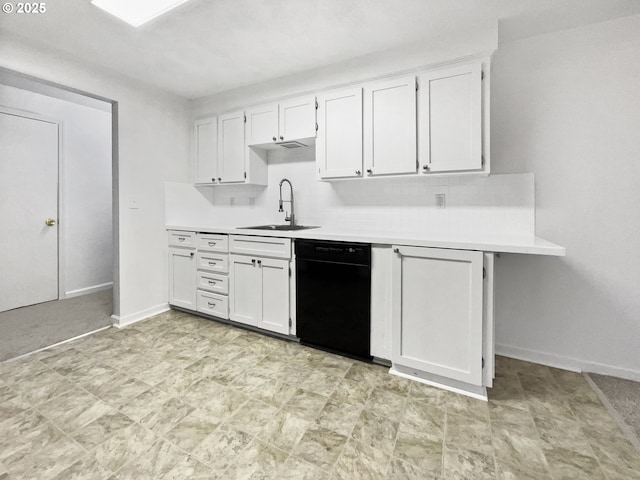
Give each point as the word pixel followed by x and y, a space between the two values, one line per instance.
pixel 260 246
pixel 212 262
pixel 211 242
pixel 179 238
pixel 213 304
pixel 213 282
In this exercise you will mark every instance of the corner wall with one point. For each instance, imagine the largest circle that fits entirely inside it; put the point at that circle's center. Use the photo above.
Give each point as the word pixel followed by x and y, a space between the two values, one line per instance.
pixel 566 107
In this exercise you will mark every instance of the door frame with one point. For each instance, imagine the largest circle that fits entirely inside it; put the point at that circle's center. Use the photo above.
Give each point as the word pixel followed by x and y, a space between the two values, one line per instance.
pixel 60 207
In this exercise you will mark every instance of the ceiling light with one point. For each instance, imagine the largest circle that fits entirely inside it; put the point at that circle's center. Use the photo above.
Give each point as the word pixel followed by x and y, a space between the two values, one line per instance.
pixel 137 12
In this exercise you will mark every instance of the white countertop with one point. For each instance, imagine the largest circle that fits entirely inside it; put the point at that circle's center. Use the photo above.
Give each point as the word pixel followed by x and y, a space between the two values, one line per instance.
pixel 530 245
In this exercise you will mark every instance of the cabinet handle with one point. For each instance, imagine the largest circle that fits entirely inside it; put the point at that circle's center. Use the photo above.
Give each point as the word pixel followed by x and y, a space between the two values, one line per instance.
pixel 275 139
pixel 213 263
pixel 425 167
pixel 211 244
pixel 396 250
pixel 281 137
pixel 211 305
pixel 358 172
pixel 211 283
pixel 369 171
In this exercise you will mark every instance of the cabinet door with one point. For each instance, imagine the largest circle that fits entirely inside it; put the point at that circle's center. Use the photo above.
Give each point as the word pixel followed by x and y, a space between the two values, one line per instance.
pixel 450 119
pixel 231 148
pixel 339 141
pixel 245 290
pixel 182 278
pixel 275 295
pixel 437 312
pixel 390 126
pixel 298 118
pixel 262 124
pixel 205 154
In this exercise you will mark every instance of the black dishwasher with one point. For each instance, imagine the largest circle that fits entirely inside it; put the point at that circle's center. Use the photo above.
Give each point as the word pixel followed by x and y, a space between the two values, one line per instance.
pixel 333 296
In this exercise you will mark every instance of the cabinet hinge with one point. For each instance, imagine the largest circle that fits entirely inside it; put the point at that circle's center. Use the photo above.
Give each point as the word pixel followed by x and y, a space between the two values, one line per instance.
pixel 245 175
pixel 289 271
pixel 484 272
pixel 482 161
pixel 316 126
pixel 290 323
pixel 481 74
pixel 482 359
pixel 245 119
pixel 316 104
pixel 417 86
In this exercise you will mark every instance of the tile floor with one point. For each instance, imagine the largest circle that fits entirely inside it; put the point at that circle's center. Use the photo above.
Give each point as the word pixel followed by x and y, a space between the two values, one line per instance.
pixel 180 397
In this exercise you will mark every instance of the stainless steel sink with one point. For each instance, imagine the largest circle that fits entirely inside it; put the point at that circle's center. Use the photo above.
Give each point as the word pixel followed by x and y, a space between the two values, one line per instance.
pixel 285 227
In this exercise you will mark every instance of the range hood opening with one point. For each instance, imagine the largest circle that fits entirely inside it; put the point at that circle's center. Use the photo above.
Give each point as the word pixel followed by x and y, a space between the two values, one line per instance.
pixel 291 144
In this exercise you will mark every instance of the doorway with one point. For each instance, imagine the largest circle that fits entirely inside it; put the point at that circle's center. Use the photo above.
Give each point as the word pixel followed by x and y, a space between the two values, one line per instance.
pixel 57 278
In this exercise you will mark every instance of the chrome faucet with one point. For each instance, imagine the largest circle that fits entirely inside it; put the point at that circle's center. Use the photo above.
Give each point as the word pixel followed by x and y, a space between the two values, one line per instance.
pixel 287 218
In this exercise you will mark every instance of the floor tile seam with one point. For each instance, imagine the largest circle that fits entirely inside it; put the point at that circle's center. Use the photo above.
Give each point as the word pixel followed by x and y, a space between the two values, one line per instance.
pixel 546 463
pixel 68 437
pixel 389 455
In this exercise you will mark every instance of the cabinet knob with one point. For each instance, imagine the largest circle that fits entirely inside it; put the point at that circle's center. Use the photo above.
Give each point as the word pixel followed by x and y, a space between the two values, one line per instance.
pixel 358 172
pixel 281 137
pixel 191 254
pixel 213 180
pixel 219 179
pixel 396 250
pixel 259 262
pixel 274 139
pixel 425 167
pixel 253 261
pixel 369 171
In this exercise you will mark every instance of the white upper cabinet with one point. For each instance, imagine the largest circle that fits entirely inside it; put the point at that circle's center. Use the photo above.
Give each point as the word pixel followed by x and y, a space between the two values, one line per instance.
pixel 205 150
pixel 231 148
pixel 390 126
pixel 262 124
pixel 339 140
pixel 297 118
pixel 450 119
pixel 290 120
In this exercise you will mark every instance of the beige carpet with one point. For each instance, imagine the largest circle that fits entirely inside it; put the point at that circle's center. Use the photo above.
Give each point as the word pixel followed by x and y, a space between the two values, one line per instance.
pixel 27 329
pixel 624 397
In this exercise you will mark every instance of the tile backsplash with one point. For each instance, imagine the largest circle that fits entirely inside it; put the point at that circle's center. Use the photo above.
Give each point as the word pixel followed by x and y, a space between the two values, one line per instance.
pixel 497 204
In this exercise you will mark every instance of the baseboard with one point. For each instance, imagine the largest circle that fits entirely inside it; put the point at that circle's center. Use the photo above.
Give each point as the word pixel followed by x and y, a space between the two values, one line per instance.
pixel 123 321
pixel 566 363
pixel 87 290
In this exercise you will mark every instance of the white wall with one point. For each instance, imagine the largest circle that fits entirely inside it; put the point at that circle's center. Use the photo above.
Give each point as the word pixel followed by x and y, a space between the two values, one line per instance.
pixel 85 186
pixel 566 106
pixel 153 148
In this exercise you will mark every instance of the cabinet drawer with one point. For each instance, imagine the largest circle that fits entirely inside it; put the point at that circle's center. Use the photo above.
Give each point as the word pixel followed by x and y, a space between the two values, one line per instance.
pixel 213 304
pixel 211 242
pixel 260 246
pixel 212 262
pixel 179 238
pixel 213 282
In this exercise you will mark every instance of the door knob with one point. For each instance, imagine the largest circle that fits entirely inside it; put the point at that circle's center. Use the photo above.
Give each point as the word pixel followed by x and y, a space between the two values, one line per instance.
pixel 50 222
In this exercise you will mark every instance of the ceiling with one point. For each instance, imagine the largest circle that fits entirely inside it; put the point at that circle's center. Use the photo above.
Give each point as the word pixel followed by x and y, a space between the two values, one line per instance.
pixel 205 47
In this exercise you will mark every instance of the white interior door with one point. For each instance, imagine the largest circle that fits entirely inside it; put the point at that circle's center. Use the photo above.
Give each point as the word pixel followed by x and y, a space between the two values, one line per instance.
pixel 28 198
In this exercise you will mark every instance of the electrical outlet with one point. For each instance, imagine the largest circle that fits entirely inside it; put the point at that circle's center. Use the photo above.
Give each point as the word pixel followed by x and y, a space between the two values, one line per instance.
pixel 441 200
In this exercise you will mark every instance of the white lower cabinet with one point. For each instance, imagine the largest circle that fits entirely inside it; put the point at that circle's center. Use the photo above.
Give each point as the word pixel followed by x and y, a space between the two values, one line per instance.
pixel 437 316
pixel 182 277
pixel 259 292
